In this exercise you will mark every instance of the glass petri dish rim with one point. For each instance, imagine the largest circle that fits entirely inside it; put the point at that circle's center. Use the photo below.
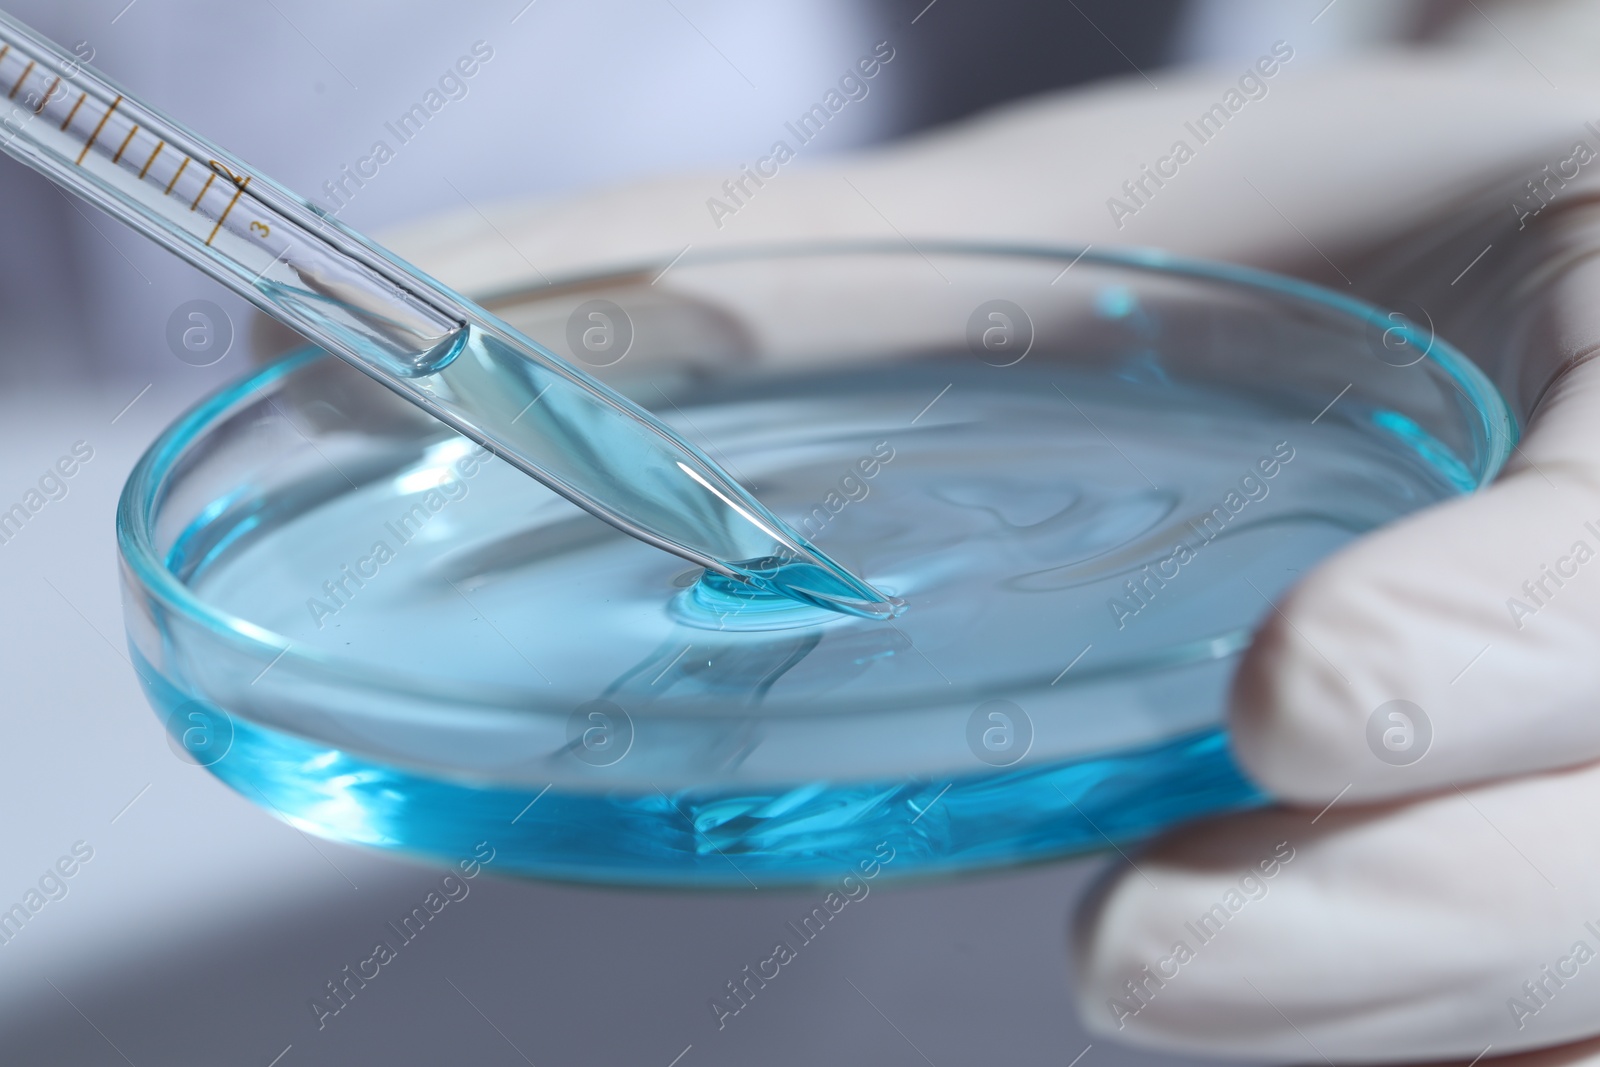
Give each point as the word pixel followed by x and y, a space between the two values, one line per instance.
pixel 139 501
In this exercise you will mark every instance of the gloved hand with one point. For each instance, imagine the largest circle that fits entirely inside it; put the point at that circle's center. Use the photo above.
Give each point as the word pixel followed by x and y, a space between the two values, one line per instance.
pixel 1443 896
pixel 1407 902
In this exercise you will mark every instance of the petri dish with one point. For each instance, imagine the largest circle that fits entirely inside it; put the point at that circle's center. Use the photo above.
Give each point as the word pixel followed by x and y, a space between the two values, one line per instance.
pixel 1087 473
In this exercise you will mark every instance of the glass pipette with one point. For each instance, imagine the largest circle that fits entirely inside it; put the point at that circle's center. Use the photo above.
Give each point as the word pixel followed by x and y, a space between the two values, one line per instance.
pixel 423 340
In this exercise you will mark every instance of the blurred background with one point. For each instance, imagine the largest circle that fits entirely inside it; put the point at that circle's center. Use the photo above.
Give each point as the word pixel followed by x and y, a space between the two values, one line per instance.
pixel 202 926
pixel 577 96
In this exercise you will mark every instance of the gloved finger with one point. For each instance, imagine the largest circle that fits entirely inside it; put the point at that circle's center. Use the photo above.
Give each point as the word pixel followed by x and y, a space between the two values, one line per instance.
pixel 1479 617
pixel 1443 927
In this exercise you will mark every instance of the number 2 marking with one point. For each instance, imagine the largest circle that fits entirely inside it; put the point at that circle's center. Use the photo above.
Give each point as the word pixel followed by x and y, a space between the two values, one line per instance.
pixel 241 182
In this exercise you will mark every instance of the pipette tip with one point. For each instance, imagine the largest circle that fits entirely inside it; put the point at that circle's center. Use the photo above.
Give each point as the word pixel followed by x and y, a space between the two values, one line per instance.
pixel 807 576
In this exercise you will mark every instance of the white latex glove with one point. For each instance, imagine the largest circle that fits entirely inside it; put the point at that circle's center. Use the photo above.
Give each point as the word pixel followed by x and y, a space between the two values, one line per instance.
pixel 1413 910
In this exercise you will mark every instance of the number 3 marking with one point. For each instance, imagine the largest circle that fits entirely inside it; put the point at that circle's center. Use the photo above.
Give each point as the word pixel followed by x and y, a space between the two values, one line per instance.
pixel 263 227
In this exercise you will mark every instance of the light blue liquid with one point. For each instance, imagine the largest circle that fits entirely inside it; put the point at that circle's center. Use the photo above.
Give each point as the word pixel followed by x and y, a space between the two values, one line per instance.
pixel 770 740
pixel 734 838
